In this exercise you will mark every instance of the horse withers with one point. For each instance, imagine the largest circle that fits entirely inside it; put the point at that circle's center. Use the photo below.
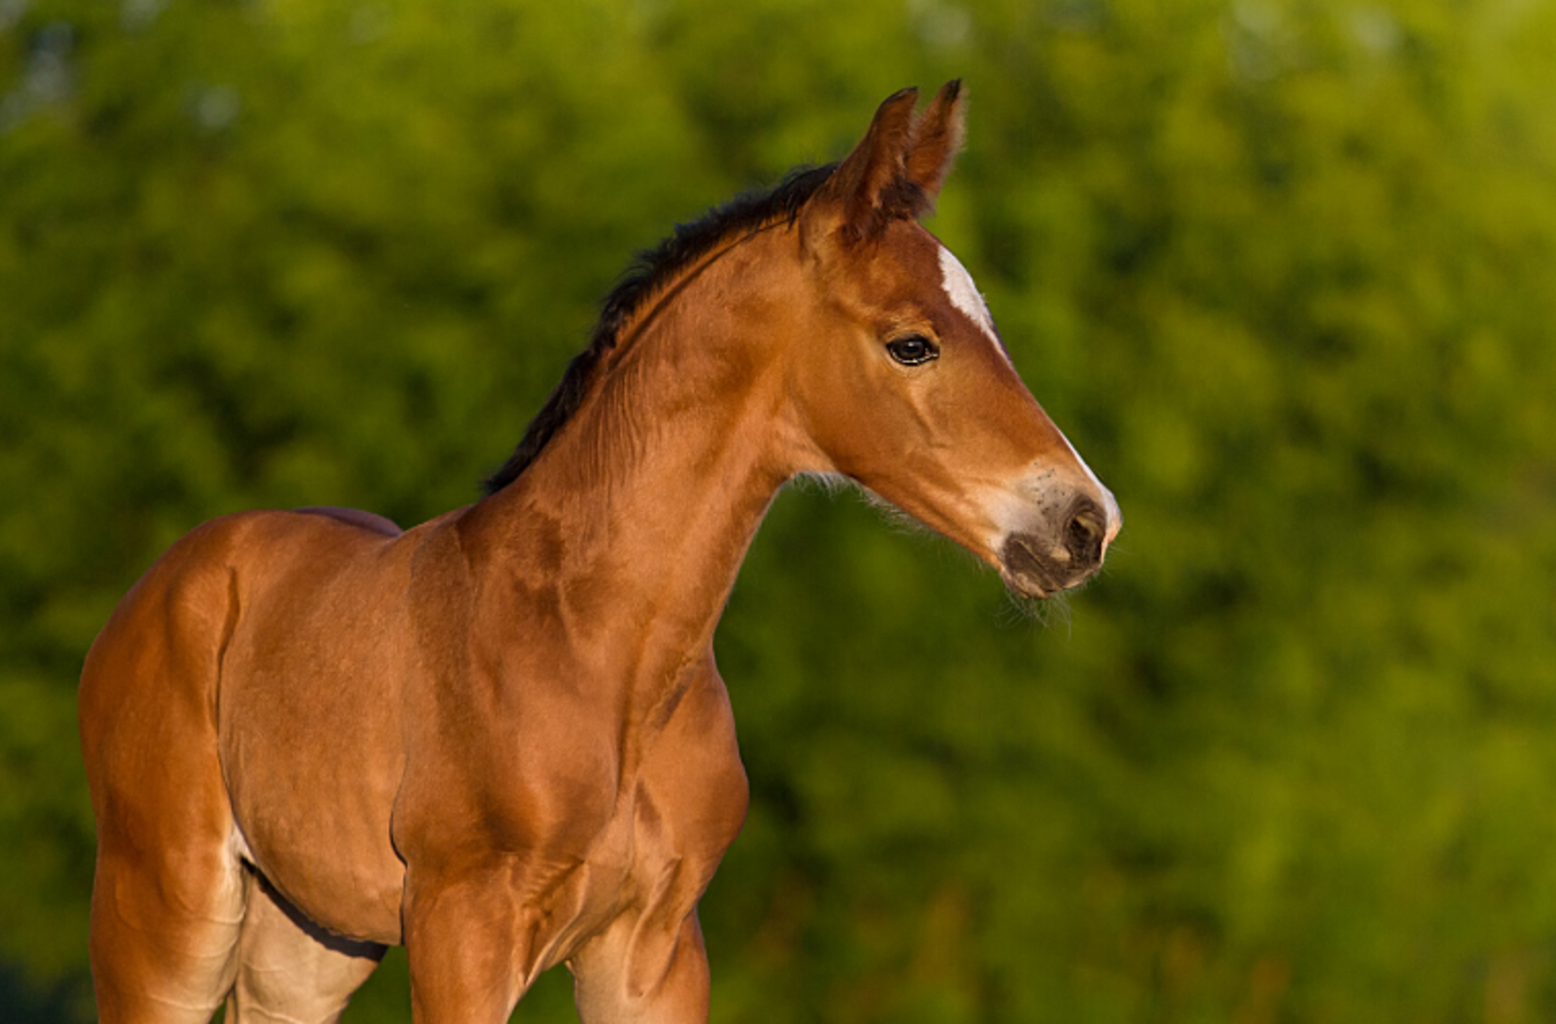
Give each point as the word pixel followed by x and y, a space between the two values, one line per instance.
pixel 500 738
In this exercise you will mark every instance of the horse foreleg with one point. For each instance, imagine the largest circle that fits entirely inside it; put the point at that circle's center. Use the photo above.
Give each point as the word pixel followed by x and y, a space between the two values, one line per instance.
pixel 643 971
pixel 468 942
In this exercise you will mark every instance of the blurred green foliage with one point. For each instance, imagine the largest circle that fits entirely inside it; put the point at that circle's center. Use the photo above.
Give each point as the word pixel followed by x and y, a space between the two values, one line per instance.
pixel 1285 270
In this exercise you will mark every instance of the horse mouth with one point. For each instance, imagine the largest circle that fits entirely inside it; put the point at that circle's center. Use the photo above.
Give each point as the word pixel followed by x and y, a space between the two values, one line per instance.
pixel 1026 590
pixel 1030 569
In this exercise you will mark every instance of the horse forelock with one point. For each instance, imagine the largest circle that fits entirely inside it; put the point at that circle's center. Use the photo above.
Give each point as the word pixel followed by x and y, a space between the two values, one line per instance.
pixel 651 274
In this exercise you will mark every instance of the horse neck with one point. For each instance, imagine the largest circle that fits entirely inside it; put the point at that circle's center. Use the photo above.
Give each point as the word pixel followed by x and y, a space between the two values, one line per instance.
pixel 635 517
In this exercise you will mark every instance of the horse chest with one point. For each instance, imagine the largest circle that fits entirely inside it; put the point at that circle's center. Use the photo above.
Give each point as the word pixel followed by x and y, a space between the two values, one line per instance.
pixel 649 859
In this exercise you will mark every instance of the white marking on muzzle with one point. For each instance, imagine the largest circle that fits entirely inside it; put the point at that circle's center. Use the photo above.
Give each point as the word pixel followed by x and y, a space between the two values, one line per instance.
pixel 964 295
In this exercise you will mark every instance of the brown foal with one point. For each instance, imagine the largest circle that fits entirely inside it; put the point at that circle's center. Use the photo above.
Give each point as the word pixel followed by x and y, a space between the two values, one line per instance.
pixel 500 738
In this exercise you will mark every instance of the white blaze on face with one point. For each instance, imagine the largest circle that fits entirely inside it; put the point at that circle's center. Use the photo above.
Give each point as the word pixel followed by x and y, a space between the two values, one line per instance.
pixel 964 295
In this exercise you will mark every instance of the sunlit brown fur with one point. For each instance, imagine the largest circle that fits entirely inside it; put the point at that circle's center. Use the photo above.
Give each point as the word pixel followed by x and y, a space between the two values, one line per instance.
pixel 500 737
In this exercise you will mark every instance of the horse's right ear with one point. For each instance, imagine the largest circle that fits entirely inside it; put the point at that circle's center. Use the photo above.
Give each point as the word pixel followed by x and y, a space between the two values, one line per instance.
pixel 937 138
pixel 871 187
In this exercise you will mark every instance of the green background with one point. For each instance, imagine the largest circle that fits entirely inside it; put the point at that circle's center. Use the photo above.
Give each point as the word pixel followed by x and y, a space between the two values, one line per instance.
pixel 1285 272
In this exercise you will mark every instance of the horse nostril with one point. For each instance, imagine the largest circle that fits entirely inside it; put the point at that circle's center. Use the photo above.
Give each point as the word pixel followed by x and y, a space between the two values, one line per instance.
pixel 1084 532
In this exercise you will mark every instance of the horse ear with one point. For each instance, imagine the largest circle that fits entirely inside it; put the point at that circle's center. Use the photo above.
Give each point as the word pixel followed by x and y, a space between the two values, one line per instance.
pixel 895 172
pixel 868 188
pixel 937 138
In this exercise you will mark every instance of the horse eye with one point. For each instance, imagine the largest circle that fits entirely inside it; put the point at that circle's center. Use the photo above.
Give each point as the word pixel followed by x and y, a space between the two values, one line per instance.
pixel 914 350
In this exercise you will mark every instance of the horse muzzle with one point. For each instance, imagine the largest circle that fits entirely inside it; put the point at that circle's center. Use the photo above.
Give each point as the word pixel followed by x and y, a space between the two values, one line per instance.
pixel 1059 552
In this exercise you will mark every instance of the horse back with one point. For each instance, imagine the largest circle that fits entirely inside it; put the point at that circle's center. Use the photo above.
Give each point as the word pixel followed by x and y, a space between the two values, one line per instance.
pixel 356 517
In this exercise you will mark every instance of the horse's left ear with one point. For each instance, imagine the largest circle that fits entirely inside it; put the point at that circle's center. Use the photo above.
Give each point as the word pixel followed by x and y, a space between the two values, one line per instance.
pixel 896 172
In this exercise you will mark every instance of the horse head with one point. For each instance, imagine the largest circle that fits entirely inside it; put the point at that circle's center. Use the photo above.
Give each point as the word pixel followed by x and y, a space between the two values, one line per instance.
pixel 906 386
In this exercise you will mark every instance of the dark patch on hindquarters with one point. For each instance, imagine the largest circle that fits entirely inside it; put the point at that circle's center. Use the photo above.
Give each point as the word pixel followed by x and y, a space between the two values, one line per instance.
pixel 649 274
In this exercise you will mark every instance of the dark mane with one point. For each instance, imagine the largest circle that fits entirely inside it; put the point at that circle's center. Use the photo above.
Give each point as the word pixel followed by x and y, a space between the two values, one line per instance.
pixel 649 273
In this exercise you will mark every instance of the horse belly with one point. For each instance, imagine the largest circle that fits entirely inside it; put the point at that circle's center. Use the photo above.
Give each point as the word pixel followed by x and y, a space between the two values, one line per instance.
pixel 312 756
pixel 327 853
pixel 313 802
